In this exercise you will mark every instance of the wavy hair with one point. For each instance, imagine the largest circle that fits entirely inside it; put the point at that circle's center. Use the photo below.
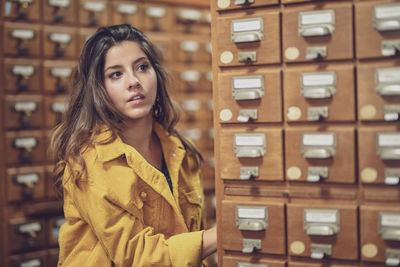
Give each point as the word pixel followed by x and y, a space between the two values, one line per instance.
pixel 90 106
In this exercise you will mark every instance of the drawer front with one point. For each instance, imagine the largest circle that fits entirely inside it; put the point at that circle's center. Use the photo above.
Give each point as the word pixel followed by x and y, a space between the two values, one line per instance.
pixel 380 233
pixel 378 161
pixel 371 20
pixel 27 234
pixel 313 264
pixel 313 33
pixel 53 228
pixel 192 49
pixel 258 222
pixel 200 133
pixel 320 156
pixel 22 10
pixel 23 111
pixel 157 18
pixel 51 189
pixel 24 147
pixel 251 261
pixel 192 21
pixel 26 184
pixel 248 38
pixel 322 231
pixel 21 39
pixel 55 108
pixel 57 76
pixel 208 170
pixel 22 75
pixel 60 11
pixel 232 4
pixel 250 96
pixel 164 44
pixel 83 35
pixel 251 153
pixel 127 12
pixel 59 42
pixel 320 93
pixel 36 259
pixel 191 78
pixel 94 13
pixel 379 91
pixel 195 107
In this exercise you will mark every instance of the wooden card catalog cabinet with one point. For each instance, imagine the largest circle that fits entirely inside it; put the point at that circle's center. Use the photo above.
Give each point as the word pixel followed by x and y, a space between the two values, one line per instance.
pixel 27 234
pixel 253 227
pixel 26 184
pixel 315 156
pixel 59 11
pixel 379 91
pixel 22 40
pixel 379 155
pixel 23 111
pixel 59 42
pixel 58 76
pixel 127 12
pixel 380 234
pixel 255 154
pixel 250 96
pixel 243 4
pixel 315 33
pixel 314 95
pixel 22 75
pixel 22 10
pixel 246 39
pixel 378 24
pixel 322 232
pixel 93 13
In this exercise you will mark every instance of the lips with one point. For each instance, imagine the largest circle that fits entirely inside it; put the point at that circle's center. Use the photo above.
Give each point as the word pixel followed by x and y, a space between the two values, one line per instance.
pixel 136 97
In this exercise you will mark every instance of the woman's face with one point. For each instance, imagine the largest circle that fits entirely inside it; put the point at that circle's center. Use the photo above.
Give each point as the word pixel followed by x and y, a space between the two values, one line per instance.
pixel 130 80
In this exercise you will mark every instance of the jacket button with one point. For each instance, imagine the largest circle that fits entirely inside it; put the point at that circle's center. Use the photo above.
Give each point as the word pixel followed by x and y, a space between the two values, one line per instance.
pixel 143 195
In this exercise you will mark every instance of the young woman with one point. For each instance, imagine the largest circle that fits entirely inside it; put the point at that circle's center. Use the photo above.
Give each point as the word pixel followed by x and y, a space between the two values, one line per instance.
pixel 130 181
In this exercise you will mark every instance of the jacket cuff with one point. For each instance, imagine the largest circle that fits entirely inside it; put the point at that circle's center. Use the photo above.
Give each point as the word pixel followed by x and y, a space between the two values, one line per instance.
pixel 185 249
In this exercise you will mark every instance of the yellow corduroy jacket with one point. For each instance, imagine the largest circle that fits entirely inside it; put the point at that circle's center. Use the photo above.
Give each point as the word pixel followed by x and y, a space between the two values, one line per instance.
pixel 124 213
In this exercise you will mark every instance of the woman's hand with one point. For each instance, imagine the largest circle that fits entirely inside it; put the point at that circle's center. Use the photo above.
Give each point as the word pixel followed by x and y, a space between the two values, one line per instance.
pixel 209 245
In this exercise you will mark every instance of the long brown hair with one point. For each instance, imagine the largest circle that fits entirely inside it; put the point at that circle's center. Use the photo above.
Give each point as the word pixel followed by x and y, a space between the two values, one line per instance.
pixel 90 106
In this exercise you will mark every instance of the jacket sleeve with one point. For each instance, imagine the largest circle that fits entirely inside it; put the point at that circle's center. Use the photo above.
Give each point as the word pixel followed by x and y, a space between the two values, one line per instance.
pixel 124 237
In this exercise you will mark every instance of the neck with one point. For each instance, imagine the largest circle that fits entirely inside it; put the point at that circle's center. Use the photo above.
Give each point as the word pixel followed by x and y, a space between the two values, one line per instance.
pixel 138 134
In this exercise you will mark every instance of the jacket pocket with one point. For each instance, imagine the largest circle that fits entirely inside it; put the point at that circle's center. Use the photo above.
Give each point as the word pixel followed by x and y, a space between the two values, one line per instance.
pixel 191 206
pixel 151 205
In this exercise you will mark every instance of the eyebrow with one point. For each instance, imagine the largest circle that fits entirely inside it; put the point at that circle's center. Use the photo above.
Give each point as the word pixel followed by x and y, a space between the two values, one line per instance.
pixel 119 66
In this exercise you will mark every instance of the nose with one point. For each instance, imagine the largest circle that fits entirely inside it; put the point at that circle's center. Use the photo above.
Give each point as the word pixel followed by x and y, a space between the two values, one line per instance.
pixel 133 80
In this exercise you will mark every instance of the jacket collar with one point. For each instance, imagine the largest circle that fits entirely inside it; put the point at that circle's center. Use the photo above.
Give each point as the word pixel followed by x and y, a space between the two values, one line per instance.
pixel 115 149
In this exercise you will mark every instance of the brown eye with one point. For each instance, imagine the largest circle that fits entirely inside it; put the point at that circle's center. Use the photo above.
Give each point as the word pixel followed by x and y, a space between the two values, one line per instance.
pixel 143 67
pixel 115 75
